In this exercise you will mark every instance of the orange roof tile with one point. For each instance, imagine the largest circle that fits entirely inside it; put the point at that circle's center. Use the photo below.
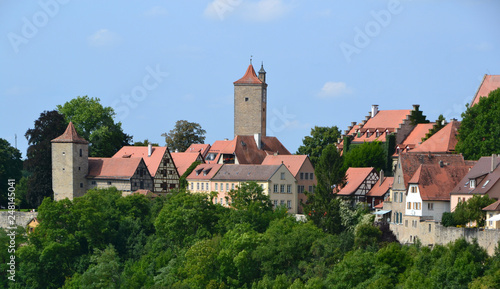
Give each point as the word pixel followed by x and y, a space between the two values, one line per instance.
pixel 378 190
pixel 152 162
pixel 379 206
pixel 444 141
pixel 435 182
pixel 415 137
pixel 387 119
pixel 198 147
pixel 113 168
pixel 184 160
pixel 70 136
pixel 489 83
pixel 250 77
pixel 292 162
pixel 204 172
pixel 354 178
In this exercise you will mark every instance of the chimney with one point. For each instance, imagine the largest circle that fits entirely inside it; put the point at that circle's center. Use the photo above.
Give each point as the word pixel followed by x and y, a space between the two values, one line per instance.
pixel 374 109
pixel 150 150
pixel 441 164
pixel 258 140
pixel 493 162
pixel 415 107
pixel 381 177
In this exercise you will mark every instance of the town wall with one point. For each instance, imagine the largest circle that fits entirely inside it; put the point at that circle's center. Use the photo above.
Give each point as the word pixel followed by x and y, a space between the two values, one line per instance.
pixel 22 218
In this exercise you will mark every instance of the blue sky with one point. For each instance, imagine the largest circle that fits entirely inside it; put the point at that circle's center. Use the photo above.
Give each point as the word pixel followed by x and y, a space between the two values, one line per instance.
pixel 327 62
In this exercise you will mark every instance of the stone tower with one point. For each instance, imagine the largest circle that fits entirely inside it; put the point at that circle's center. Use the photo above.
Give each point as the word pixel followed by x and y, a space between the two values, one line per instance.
pixel 70 164
pixel 250 103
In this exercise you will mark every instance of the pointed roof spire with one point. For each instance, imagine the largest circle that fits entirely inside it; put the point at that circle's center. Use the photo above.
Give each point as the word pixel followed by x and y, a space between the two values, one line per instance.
pixel 70 136
pixel 262 68
pixel 250 77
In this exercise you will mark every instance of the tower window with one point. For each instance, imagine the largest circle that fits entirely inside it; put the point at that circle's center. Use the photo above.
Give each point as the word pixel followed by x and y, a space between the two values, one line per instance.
pixel 81 185
pixel 80 152
pixel 246 98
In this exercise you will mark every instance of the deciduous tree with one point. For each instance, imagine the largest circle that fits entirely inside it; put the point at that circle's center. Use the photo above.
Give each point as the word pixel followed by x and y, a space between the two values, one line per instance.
pixel 10 168
pixel 183 135
pixel 368 154
pixel 479 131
pixel 319 139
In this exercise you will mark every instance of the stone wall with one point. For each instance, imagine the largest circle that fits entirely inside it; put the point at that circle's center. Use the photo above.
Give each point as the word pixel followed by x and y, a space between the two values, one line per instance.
pixel 22 218
pixel 431 233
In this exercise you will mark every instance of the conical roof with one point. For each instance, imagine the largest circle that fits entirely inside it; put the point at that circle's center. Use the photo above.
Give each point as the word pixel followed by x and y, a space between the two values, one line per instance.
pixel 70 136
pixel 250 77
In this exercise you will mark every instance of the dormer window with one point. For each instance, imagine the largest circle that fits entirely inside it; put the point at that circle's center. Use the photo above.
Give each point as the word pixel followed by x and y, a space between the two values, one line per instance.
pixel 472 184
pixel 486 183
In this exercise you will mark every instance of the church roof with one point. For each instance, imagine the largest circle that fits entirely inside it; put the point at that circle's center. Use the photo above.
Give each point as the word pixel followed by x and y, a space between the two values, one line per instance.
pixel 250 77
pixel 70 136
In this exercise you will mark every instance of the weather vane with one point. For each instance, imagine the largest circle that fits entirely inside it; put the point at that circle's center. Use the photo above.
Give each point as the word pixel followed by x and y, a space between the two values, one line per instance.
pixel 251 59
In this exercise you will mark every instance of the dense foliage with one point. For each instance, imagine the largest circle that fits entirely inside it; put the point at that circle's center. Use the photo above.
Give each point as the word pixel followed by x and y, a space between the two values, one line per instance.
pixel 183 135
pixel 479 131
pixel 184 240
pixel 319 139
pixel 470 211
pixel 47 127
pixel 10 168
pixel 368 154
pixel 96 124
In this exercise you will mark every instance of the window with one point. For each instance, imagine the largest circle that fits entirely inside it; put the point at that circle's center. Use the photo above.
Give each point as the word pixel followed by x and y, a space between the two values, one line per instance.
pixel 408 205
pixel 311 176
pixel 221 186
pixel 301 176
pixel 197 186
pixel 232 186
pixel 396 217
pixel 208 188
pixel 227 186
pixel 430 206
pixel 486 183
pixel 307 176
pixel 275 188
pixel 401 218
pixel 395 197
pixel 289 189
pixel 430 228
pixel 289 204
pixel 282 176
pixel 399 179
pixel 215 200
pixel 192 184
pixel 310 189
pixel 282 188
pixel 282 202
pixel 81 185
pixel 109 183
pixel 216 187
pixel 202 186
pixel 226 201
pixel 301 189
pixel 141 185
pixel 246 98
pixel 472 184
pixel 275 203
pixel 81 153
pixel 413 189
pixel 93 182
pixel 401 197
pixel 221 201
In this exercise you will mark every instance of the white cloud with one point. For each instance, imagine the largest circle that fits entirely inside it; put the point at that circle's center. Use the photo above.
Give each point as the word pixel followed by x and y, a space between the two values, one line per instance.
pixel 254 11
pixel 102 38
pixel 156 11
pixel 334 89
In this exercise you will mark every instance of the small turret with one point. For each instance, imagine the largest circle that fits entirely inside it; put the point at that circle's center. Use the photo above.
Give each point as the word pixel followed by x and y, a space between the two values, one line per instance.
pixel 262 73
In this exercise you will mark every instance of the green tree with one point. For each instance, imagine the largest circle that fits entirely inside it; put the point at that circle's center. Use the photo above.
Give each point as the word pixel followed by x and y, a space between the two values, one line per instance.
pixel 10 168
pixel 320 138
pixel 183 135
pixel 47 127
pixel 323 206
pixel 472 210
pixel 145 143
pixel 440 123
pixel 95 123
pixel 479 131
pixel 368 154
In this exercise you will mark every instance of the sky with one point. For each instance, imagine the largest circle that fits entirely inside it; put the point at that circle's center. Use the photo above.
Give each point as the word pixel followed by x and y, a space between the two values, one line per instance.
pixel 327 62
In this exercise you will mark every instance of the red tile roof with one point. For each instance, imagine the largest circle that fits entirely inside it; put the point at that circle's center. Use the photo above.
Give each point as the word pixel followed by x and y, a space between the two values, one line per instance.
pixel 489 83
pixel 152 162
pixel 379 206
pixel 292 162
pixel 250 77
pixel 70 136
pixel 113 168
pixel 204 172
pixel 435 182
pixel 378 190
pixel 354 178
pixel 414 139
pixel 198 147
pixel 184 160
pixel 493 207
pixel 444 141
pixel 411 161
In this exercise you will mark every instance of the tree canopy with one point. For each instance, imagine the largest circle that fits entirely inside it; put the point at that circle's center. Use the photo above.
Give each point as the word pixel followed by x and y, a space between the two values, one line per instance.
pixel 95 123
pixel 368 154
pixel 320 138
pixel 469 211
pixel 479 131
pixel 145 143
pixel 183 135
pixel 48 126
pixel 10 168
